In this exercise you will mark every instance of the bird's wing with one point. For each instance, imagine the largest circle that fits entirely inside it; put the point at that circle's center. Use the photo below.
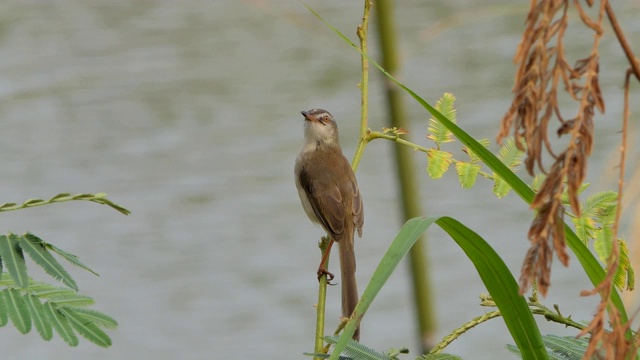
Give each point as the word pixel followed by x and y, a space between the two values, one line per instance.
pixel 326 204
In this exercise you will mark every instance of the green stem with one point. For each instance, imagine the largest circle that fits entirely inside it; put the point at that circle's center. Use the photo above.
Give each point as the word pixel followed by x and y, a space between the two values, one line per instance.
pixel 322 300
pixel 536 308
pixel 362 32
pixel 395 137
pixel 555 316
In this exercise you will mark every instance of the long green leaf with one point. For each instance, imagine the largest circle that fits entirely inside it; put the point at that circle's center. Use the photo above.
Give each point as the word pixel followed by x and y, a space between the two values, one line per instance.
pixel 492 270
pixel 594 271
pixel 405 239
pixel 40 320
pixel 36 249
pixel 60 324
pixel 13 259
pixel 87 329
pixel 501 285
pixel 17 310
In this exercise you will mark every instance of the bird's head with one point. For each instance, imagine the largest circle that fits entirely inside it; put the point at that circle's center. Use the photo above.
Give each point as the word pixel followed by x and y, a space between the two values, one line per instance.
pixel 320 127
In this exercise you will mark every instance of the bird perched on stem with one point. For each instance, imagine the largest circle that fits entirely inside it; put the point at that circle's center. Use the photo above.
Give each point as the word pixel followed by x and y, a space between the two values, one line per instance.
pixel 330 196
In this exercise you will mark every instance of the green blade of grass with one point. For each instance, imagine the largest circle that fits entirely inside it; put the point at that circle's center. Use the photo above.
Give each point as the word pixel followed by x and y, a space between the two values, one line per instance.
pixel 501 285
pixel 493 272
pixel 405 239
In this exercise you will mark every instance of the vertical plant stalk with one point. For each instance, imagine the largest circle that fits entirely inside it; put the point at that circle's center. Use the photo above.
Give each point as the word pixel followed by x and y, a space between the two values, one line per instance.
pixel 623 151
pixel 408 188
pixel 321 305
pixel 363 33
pixel 616 342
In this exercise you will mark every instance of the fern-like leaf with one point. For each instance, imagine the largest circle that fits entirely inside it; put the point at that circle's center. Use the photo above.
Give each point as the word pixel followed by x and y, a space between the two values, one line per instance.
pixel 500 187
pixel 17 310
pixel 99 198
pixel 624 278
pixel 61 324
pixel 69 257
pixel 585 226
pixel 537 182
pixel 71 300
pixel 439 162
pixel 357 351
pixel 565 194
pixel 568 346
pixel 94 316
pixel 40 320
pixel 4 315
pixel 441 356
pixel 509 154
pixel 473 158
pixel 37 250
pixel 467 173
pixel 561 348
pixel 46 291
pixel 437 132
pixel 511 157
pixel 603 243
pixel 88 329
pixel 598 202
pixel 13 259
pixel 64 311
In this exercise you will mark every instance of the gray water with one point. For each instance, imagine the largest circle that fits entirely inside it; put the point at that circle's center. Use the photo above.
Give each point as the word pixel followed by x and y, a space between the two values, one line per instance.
pixel 187 113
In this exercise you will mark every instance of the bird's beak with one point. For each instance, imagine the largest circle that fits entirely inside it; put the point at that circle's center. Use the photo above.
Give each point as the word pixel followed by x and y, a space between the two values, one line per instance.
pixel 308 117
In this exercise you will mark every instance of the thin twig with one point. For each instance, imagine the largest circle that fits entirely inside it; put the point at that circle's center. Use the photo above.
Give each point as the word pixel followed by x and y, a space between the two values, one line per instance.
pixel 623 41
pixel 623 152
pixel 394 137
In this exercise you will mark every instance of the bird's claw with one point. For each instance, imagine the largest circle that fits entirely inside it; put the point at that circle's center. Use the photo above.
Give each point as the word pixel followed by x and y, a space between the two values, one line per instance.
pixel 330 276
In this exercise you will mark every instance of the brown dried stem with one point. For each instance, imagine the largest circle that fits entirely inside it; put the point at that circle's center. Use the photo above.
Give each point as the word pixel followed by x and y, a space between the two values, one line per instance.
pixel 635 66
pixel 614 343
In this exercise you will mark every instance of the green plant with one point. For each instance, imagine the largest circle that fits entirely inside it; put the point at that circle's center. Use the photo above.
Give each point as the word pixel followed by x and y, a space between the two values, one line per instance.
pixel 596 221
pixel 28 303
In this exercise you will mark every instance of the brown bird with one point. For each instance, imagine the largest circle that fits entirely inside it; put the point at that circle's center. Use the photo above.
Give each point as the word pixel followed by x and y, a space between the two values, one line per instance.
pixel 330 196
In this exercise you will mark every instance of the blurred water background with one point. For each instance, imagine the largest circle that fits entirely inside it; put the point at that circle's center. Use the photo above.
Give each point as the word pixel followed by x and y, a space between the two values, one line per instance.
pixel 187 113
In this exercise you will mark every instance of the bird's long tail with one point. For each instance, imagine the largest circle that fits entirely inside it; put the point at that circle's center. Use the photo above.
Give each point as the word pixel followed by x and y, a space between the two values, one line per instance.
pixel 348 279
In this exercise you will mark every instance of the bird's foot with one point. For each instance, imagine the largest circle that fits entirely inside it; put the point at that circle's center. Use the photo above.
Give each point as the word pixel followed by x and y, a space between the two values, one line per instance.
pixel 322 272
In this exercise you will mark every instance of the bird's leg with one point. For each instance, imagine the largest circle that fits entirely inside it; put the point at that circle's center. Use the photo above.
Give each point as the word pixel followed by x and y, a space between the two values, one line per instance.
pixel 322 270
